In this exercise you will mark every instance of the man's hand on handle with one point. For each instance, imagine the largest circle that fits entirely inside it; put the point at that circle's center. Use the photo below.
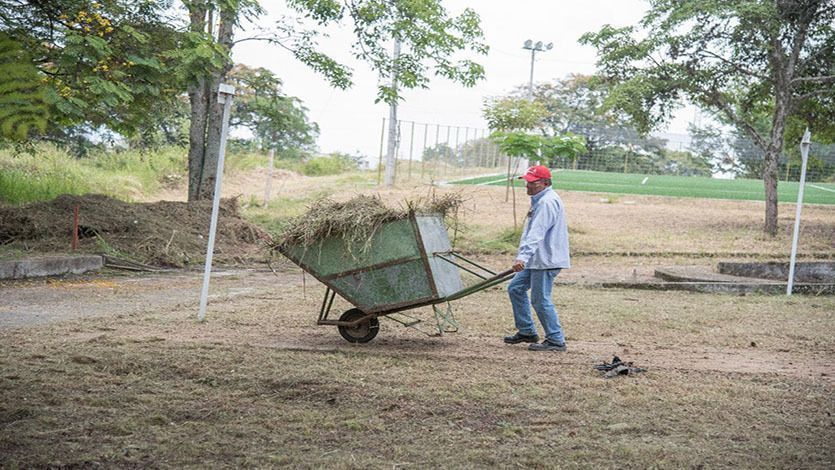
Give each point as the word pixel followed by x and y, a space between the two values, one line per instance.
pixel 518 266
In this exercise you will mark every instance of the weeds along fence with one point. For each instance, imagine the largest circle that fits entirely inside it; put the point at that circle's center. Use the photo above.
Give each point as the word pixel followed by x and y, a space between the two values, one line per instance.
pixel 434 151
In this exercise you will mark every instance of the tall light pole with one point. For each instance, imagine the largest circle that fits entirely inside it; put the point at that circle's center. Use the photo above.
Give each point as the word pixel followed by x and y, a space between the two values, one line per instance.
pixel 534 47
pixel 391 154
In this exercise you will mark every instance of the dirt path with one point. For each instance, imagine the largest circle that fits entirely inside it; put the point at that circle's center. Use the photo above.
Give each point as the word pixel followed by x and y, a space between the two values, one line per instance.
pixel 121 302
pixel 45 301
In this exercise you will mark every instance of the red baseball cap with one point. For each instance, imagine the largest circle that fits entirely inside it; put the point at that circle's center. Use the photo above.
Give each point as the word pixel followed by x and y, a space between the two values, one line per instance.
pixel 536 173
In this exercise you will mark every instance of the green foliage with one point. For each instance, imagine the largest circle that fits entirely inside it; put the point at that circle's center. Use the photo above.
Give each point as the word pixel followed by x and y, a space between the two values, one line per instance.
pixel 439 152
pixel 101 63
pixel 576 104
pixel 47 172
pixel 23 105
pixel 167 124
pixel 741 59
pixel 197 56
pixel 518 144
pixel 244 160
pixel 329 165
pixel 430 40
pixel 569 146
pixel 534 147
pixel 279 212
pixel 276 120
pixel 513 114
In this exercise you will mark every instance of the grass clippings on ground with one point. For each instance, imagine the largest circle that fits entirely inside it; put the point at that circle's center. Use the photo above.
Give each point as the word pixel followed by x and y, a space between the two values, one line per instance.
pixel 731 381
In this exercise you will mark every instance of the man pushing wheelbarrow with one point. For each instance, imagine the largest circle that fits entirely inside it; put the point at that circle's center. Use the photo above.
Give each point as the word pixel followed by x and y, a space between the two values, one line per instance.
pixel 543 252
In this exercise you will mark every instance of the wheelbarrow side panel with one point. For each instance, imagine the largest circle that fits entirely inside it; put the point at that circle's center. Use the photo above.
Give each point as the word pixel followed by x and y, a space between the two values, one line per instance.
pixel 332 256
pixel 433 233
pixel 389 274
pixel 385 288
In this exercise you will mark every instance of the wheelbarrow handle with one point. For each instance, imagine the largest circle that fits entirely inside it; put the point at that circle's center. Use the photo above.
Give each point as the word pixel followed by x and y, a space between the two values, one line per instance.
pixel 485 284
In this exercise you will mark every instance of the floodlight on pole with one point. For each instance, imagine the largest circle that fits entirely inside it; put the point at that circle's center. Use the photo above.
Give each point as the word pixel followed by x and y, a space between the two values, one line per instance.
pixel 539 46
pixel 804 154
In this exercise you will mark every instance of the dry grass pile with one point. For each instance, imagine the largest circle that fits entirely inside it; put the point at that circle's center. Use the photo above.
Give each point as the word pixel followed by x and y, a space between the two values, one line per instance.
pixel 359 218
pixel 163 233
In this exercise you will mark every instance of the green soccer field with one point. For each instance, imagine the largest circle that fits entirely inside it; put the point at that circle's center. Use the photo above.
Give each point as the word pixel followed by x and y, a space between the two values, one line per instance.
pixel 676 186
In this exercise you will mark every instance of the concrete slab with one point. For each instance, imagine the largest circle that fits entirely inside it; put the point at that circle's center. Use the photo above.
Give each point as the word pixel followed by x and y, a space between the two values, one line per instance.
pixel 727 287
pixel 50 266
pixel 702 274
pixel 806 271
pixel 703 279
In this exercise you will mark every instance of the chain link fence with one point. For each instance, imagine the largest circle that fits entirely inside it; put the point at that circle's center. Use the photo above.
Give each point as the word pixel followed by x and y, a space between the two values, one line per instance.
pixel 433 151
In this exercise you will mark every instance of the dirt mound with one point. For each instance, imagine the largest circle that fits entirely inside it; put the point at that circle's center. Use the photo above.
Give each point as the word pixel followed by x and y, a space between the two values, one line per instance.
pixel 162 233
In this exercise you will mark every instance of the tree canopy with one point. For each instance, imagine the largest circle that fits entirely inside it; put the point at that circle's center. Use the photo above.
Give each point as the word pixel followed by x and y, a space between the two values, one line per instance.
pixel 744 60
pixel 432 41
pixel 277 121
pixel 99 63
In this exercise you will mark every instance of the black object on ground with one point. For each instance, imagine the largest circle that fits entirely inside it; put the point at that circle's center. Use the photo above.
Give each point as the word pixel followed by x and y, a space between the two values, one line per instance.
pixel 618 367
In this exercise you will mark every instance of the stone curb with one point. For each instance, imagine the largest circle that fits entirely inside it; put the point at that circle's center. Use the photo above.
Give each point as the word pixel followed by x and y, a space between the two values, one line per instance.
pixel 726 287
pixel 49 266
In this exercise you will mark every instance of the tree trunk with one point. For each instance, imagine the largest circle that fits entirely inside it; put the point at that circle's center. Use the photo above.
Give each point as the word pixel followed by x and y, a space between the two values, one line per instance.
pixel 772 155
pixel 214 126
pixel 206 112
pixel 198 100
pixel 770 182
pixel 391 157
pixel 784 71
pixel 198 96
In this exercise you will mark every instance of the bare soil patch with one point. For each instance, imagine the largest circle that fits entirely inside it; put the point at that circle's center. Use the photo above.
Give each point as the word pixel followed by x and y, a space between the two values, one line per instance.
pixel 162 233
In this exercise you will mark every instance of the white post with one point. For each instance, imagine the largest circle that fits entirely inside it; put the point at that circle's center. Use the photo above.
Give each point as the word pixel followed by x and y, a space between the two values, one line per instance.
pixel 391 157
pixel 269 178
pixel 804 154
pixel 224 95
pixel 530 82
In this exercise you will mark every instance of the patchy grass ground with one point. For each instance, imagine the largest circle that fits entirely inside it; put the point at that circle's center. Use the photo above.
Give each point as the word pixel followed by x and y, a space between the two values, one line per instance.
pixel 740 381
pixel 128 378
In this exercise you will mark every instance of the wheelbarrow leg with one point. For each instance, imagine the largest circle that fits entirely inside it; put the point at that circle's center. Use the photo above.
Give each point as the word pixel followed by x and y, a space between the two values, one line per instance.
pixel 326 305
pixel 446 320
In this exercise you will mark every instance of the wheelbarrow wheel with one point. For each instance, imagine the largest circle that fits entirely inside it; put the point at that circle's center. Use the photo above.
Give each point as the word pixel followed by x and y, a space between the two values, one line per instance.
pixel 362 332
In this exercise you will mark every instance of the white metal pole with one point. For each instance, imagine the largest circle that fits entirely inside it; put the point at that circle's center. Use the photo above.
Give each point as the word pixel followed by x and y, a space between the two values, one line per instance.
pixel 380 161
pixel 394 124
pixel 269 178
pixel 804 154
pixel 423 149
pixel 530 82
pixel 411 148
pixel 225 94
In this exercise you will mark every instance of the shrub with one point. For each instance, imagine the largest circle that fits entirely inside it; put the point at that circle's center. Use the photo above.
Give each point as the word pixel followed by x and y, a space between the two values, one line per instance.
pixel 327 165
pixel 48 171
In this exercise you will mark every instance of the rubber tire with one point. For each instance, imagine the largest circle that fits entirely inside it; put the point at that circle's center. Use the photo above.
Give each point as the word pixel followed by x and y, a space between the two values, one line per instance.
pixel 362 333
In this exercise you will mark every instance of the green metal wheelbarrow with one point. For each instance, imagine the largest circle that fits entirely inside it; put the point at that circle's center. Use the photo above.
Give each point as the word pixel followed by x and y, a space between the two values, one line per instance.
pixel 408 263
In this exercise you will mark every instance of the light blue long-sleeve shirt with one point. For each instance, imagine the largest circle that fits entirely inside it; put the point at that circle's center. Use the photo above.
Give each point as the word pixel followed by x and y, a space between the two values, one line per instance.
pixel 544 243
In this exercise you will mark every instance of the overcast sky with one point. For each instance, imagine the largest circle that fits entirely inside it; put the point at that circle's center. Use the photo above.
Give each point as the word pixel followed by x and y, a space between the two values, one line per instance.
pixel 350 121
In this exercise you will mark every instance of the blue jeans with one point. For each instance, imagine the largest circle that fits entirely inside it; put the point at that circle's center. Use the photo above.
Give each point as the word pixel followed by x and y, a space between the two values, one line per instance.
pixel 539 282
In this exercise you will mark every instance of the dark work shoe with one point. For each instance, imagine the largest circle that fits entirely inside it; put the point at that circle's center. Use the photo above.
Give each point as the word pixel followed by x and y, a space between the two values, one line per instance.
pixel 520 338
pixel 547 345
